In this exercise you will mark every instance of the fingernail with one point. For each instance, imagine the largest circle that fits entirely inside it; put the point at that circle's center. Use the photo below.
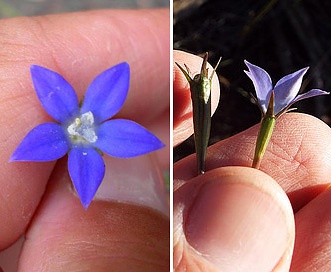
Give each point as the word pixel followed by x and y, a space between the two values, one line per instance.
pixel 237 225
pixel 136 180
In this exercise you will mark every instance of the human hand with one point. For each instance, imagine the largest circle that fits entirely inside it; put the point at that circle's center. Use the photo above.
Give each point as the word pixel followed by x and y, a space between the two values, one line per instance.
pixel 119 231
pixel 235 218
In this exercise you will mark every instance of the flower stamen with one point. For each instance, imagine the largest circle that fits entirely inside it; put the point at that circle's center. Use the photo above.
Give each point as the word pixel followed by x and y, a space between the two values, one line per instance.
pixel 81 130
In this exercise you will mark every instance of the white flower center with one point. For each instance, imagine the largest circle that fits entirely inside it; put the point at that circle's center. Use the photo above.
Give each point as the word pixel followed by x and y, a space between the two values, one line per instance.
pixel 81 130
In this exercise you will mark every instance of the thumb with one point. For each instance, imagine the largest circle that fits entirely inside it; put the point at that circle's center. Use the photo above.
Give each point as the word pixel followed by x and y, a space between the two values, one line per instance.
pixel 124 229
pixel 233 219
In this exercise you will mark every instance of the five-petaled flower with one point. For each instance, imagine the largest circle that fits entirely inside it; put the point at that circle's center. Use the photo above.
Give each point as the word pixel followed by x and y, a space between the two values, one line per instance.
pixel 286 89
pixel 84 131
pixel 273 102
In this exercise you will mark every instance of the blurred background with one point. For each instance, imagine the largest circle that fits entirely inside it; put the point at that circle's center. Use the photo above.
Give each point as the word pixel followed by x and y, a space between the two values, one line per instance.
pixel 15 8
pixel 281 36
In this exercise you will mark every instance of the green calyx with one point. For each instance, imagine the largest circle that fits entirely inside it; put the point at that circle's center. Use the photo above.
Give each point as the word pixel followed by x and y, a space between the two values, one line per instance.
pixel 200 88
pixel 267 126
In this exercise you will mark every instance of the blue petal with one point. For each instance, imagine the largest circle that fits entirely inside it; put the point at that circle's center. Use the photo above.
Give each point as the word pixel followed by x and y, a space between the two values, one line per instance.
pixel 287 89
pixel 107 93
pixel 262 84
pixel 46 142
pixel 311 93
pixel 125 139
pixel 55 94
pixel 86 169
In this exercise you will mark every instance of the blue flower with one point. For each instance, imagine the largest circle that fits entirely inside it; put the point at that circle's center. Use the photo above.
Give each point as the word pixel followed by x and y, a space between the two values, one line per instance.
pixel 84 132
pixel 273 102
pixel 286 89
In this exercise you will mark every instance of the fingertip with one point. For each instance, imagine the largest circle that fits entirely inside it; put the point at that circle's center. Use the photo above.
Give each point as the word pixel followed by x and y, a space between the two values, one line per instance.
pixel 110 234
pixel 235 217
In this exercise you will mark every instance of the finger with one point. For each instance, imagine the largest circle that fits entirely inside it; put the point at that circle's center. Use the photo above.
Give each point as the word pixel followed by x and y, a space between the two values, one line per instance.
pixel 232 218
pixel 312 249
pixel 182 117
pixel 298 156
pixel 161 128
pixel 119 231
pixel 94 41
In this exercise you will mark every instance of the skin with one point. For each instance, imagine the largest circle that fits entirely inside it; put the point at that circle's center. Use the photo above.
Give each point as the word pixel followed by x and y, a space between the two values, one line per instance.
pixel 37 199
pixel 235 218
